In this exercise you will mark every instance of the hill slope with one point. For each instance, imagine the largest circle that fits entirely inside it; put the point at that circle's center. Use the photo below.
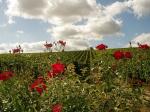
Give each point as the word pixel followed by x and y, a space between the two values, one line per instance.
pixel 98 81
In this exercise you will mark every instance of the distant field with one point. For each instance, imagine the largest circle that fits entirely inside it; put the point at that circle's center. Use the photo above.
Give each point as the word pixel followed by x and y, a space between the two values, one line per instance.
pixel 93 81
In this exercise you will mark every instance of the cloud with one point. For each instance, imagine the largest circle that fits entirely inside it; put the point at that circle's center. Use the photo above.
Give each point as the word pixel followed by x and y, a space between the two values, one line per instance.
pixel 143 38
pixel 73 44
pixel 103 26
pixel 33 47
pixel 58 11
pixel 94 29
pixel 3 47
pixel 69 32
pixel 95 21
pixel 62 12
pixel 20 32
pixel 71 11
pixel 65 13
pixel 65 31
pixel 140 7
pixel 39 46
pixel 116 8
pixel 26 8
pixel 27 47
pixel 10 20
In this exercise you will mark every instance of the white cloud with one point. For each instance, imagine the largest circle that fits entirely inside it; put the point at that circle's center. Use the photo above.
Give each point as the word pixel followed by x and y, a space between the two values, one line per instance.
pixel 26 8
pixel 20 32
pixel 102 26
pixel 95 29
pixel 65 31
pixel 143 38
pixel 73 44
pixel 69 32
pixel 10 20
pixel 58 11
pixel 71 11
pixel 39 46
pixel 33 47
pixel 140 7
pixel 64 13
pixel 27 47
pixel 3 47
pixel 100 21
pixel 116 8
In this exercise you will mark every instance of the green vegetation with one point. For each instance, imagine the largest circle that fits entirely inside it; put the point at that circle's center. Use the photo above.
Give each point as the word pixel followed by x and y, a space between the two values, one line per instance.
pixel 93 81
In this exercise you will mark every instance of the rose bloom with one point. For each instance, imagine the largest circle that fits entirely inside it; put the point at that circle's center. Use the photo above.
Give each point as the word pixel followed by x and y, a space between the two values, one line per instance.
pixel 127 54
pixel 6 75
pixel 57 108
pixel 101 47
pixel 118 55
pixel 38 85
pixel 62 42
pixel 39 90
pixel 58 68
pixel 144 46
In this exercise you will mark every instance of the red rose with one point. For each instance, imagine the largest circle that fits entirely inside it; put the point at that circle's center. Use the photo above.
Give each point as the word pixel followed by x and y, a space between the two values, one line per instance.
pixel 118 55
pixel 127 55
pixel 57 108
pixel 37 82
pixel 39 90
pixel 3 77
pixel 6 75
pixel 62 42
pixel 44 86
pixel 58 68
pixel 144 46
pixel 101 47
pixel 38 85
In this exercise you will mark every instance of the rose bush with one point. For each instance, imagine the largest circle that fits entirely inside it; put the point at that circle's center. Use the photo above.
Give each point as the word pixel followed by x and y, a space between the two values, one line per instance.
pixel 6 75
pixel 101 47
pixel 111 85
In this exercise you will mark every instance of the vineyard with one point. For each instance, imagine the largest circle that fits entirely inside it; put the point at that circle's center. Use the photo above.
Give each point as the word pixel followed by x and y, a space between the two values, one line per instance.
pixel 92 81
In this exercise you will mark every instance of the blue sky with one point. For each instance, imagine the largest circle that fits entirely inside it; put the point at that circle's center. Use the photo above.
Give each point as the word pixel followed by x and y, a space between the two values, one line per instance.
pixel 132 26
pixel 111 22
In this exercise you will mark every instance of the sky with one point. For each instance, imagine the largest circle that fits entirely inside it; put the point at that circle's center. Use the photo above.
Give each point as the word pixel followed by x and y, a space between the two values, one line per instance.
pixel 81 23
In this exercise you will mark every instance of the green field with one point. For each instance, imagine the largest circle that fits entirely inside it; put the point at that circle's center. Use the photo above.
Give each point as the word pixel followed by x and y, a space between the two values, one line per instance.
pixel 93 81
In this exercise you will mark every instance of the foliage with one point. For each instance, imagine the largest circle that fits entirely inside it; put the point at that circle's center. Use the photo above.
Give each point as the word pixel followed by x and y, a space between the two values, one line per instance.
pixel 104 84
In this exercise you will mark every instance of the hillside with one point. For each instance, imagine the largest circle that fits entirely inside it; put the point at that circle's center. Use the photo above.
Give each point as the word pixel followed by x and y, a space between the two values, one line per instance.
pixel 92 81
